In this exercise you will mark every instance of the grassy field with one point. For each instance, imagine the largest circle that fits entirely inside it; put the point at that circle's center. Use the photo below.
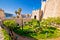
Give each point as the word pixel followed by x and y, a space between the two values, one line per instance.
pixel 44 29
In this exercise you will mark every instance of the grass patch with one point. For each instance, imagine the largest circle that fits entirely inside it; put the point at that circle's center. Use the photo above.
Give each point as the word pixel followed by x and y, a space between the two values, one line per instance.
pixel 40 35
pixel 6 36
pixel 43 29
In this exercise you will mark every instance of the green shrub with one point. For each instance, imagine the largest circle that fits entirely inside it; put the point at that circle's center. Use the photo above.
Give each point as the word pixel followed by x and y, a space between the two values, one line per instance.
pixel 11 24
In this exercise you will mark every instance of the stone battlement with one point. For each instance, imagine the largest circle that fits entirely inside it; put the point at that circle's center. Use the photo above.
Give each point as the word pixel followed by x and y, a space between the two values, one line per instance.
pixel 52 9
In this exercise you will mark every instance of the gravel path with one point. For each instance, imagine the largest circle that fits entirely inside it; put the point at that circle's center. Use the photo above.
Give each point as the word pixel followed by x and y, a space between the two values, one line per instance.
pixel 1 34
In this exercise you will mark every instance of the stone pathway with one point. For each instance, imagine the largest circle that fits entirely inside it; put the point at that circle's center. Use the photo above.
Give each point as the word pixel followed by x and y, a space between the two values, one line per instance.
pixel 1 34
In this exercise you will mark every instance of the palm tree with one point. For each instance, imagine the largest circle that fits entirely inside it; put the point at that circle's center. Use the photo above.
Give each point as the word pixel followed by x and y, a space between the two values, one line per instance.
pixel 16 12
pixel 19 11
pixel 28 15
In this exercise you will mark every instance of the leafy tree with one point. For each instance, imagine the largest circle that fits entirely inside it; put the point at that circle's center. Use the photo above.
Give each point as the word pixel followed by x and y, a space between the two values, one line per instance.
pixel 18 12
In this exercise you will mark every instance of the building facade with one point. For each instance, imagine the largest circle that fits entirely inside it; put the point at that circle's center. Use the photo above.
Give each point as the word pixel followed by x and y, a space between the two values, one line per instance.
pixel 37 14
pixel 52 8
pixel 43 5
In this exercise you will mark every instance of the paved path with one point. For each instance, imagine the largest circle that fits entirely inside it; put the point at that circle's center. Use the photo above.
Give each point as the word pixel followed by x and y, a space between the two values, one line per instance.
pixel 1 34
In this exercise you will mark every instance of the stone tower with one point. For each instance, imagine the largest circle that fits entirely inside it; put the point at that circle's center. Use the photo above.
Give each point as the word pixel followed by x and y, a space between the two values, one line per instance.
pixel 37 14
pixel 2 15
pixel 52 8
pixel 43 5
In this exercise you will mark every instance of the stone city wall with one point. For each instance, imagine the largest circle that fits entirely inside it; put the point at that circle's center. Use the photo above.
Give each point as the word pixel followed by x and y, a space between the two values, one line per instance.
pixel 52 9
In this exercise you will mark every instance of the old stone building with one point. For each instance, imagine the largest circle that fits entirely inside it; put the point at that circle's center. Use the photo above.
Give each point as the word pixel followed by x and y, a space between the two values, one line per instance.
pixel 52 8
pixel 43 5
pixel 37 14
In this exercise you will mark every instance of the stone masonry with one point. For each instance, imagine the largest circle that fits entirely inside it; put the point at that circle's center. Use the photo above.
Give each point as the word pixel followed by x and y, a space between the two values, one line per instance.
pixel 52 9
pixel 2 15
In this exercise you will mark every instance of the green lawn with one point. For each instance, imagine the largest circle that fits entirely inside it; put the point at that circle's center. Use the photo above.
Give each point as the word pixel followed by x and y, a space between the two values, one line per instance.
pixel 36 29
pixel 45 34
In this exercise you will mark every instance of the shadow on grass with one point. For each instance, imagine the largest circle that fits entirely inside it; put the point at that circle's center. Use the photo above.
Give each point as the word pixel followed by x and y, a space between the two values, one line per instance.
pixel 26 34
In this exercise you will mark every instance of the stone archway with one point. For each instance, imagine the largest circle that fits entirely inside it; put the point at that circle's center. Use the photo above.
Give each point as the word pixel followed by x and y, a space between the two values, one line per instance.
pixel 35 17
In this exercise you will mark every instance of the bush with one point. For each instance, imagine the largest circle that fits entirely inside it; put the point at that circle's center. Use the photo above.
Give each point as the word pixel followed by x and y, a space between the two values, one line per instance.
pixel 11 24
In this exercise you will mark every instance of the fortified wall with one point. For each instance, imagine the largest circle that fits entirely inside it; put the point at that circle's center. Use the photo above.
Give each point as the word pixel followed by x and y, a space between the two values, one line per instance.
pixel 37 14
pixel 52 9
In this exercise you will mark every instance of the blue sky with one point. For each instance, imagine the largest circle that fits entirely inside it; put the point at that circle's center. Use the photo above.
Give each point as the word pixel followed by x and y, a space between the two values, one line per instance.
pixel 27 6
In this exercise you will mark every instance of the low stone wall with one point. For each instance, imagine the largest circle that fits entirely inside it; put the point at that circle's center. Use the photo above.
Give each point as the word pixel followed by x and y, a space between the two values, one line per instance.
pixel 19 20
